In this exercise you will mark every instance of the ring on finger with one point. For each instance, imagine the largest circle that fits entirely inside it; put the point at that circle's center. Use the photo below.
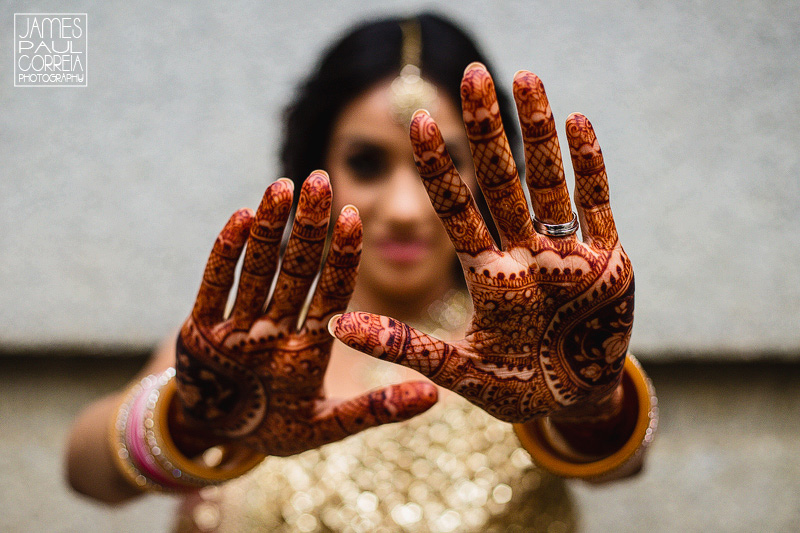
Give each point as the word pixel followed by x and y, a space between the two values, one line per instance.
pixel 556 230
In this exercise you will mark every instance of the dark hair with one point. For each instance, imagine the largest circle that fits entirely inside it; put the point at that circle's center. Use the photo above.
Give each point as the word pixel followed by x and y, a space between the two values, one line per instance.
pixel 369 53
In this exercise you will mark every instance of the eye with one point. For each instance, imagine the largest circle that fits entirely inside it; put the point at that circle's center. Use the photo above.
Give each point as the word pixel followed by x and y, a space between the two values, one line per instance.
pixel 367 163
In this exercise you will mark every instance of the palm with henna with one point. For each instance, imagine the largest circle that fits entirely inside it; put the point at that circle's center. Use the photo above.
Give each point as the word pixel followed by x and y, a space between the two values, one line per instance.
pixel 552 315
pixel 254 376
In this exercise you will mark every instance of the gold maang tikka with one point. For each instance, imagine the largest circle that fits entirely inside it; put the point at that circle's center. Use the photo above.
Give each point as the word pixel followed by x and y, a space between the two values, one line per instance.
pixel 409 91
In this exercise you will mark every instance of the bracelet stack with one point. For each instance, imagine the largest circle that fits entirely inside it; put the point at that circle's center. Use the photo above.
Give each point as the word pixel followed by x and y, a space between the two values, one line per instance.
pixel 549 451
pixel 146 455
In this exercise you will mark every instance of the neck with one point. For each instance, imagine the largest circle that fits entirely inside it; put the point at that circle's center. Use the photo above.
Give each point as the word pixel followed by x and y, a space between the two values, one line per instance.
pixel 409 308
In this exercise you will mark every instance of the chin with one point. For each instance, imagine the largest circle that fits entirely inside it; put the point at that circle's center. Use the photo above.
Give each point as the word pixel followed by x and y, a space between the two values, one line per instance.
pixel 406 282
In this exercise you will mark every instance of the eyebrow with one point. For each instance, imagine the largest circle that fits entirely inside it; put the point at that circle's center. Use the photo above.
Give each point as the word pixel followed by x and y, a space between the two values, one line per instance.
pixel 456 147
pixel 361 142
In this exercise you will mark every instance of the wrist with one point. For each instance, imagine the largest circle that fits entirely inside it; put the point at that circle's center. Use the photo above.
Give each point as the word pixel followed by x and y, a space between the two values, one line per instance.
pixel 190 436
pixel 603 409
pixel 596 429
pixel 145 452
pixel 553 447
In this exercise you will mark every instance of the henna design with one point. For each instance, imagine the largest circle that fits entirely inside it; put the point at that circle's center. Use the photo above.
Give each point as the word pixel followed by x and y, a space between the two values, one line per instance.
pixel 450 197
pixel 227 397
pixel 261 257
pixel 599 338
pixel 301 260
pixel 591 182
pixel 544 167
pixel 491 153
pixel 256 377
pixel 552 316
pixel 220 269
pixel 338 278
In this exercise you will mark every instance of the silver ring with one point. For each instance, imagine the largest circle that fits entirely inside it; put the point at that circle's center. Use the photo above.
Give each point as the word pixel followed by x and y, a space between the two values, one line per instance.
pixel 556 230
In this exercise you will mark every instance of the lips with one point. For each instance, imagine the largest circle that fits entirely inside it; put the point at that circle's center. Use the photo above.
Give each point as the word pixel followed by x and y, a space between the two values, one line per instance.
pixel 404 251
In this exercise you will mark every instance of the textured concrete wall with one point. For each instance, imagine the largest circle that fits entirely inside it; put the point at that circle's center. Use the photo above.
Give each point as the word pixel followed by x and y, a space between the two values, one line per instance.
pixel 111 195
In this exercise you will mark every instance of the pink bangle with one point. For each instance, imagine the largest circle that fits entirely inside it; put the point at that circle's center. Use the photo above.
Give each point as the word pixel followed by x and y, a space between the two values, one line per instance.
pixel 129 450
pixel 144 451
pixel 136 440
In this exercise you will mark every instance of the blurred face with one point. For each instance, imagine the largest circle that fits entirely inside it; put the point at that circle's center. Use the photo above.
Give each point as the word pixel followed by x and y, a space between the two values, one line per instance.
pixel 407 255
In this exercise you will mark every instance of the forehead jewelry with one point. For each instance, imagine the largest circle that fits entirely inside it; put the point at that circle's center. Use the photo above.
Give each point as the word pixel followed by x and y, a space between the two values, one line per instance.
pixel 409 91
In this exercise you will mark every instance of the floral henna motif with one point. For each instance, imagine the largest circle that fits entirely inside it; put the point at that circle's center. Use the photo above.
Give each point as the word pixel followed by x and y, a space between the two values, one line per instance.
pixel 552 316
pixel 257 376
pixel 600 340
pixel 584 346
pixel 228 398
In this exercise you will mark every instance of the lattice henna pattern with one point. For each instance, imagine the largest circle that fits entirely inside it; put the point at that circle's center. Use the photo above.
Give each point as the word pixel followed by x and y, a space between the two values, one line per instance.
pixel 552 316
pixel 491 154
pixel 544 167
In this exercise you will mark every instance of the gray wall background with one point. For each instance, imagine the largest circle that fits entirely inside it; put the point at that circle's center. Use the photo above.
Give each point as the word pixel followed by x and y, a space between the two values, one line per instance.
pixel 111 195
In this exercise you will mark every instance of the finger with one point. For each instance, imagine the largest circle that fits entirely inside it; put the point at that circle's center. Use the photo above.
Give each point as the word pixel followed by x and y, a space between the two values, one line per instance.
pixel 303 255
pixel 449 196
pixel 382 406
pixel 544 169
pixel 338 278
pixel 491 153
pixel 209 307
pixel 591 184
pixel 391 340
pixel 261 256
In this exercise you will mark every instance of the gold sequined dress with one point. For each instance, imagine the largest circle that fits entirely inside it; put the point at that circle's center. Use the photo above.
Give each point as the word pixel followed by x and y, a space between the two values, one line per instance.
pixel 453 469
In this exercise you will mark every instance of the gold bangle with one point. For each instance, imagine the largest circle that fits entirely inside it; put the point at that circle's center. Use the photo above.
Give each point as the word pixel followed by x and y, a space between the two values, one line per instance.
pixel 536 436
pixel 233 461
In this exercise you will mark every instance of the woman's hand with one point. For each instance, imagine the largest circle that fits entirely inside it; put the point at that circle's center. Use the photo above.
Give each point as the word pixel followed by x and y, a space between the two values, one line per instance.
pixel 552 314
pixel 253 376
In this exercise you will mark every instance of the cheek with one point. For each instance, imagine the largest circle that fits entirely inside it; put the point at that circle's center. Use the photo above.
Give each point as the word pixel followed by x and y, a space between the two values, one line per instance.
pixel 443 244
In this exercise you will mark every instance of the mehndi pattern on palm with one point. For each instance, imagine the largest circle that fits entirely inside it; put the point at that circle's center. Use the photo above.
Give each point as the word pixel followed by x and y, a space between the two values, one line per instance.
pixel 552 315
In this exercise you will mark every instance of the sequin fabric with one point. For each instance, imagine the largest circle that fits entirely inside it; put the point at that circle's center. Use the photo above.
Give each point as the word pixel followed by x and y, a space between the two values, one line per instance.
pixel 453 469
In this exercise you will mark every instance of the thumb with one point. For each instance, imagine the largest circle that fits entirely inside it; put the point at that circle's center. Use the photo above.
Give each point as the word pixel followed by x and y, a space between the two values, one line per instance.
pixel 390 340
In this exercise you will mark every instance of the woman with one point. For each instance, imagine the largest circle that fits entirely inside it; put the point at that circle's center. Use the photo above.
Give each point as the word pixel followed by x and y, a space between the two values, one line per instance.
pixel 545 331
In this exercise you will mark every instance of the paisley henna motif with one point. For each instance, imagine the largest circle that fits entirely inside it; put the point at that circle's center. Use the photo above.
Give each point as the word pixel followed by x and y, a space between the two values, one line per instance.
pixel 255 376
pixel 552 316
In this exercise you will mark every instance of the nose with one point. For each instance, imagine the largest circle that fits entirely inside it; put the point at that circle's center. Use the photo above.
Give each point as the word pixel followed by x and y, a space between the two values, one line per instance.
pixel 406 201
